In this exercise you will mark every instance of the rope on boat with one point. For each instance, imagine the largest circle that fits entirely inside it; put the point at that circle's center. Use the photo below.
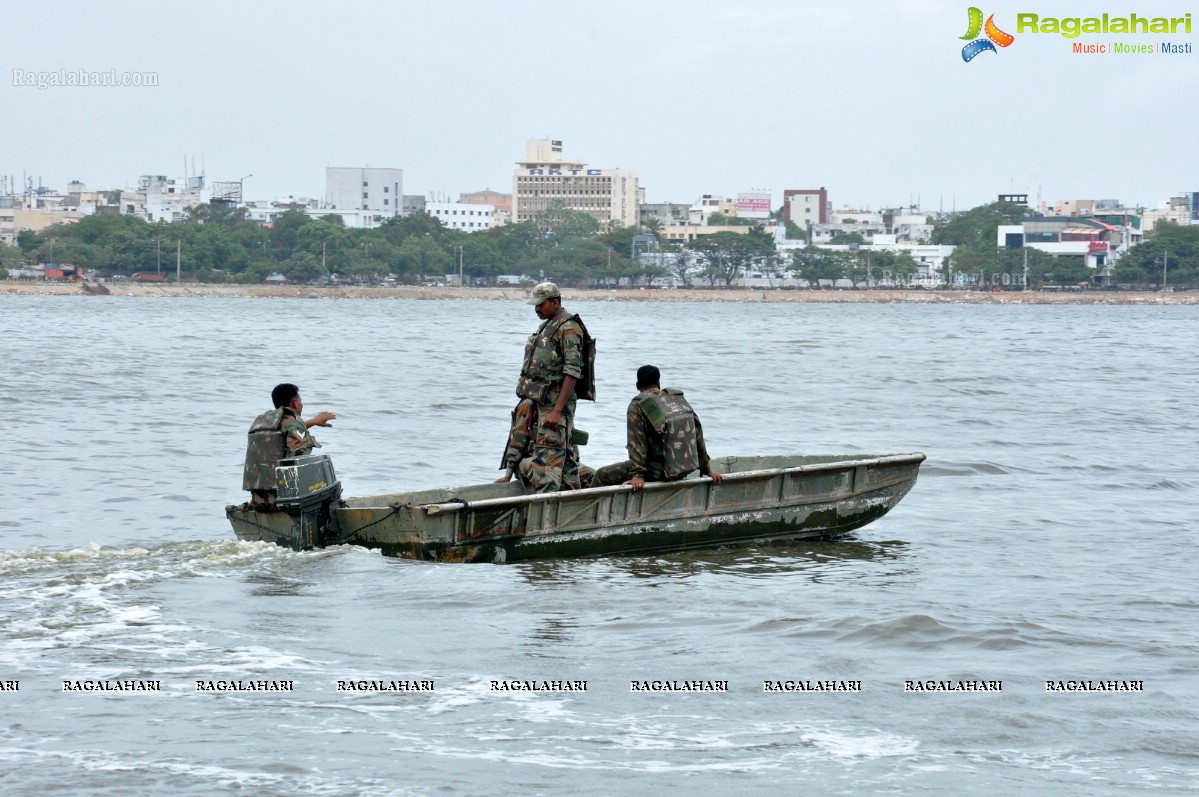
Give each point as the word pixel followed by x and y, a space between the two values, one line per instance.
pixel 357 529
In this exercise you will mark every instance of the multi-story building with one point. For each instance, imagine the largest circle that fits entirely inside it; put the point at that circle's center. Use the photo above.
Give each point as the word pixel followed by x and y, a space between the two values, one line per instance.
pixel 664 212
pixel 465 216
pixel 546 176
pixel 378 190
pixel 34 213
pixel 854 216
pixel 1099 244
pixel 1172 215
pixel 413 203
pixel 802 205
pixel 687 233
pixel 824 233
pixel 500 202
pixel 908 224
pixel 159 198
pixel 708 204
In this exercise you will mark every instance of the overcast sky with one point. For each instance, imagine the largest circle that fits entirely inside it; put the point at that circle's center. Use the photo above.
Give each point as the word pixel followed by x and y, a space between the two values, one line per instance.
pixel 868 98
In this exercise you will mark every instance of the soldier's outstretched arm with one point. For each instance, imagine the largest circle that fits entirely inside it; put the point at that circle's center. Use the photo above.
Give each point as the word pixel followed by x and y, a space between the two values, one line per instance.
pixel 320 419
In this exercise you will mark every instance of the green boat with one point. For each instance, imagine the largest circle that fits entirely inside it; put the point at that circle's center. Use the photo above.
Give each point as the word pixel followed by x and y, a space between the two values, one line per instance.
pixel 761 498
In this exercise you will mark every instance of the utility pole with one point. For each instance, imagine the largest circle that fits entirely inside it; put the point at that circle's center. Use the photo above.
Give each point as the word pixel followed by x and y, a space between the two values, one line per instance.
pixel 461 280
pixel 1025 267
pixel 178 260
pixel 323 244
pixel 1165 259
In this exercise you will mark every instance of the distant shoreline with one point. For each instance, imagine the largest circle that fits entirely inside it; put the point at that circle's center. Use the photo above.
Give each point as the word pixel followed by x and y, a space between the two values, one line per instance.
pixel 746 295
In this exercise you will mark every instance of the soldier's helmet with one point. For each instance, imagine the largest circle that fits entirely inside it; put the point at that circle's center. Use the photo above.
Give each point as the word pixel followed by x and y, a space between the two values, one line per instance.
pixel 543 291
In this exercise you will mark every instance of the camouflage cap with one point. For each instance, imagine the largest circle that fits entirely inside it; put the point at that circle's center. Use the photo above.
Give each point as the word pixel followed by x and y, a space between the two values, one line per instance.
pixel 543 291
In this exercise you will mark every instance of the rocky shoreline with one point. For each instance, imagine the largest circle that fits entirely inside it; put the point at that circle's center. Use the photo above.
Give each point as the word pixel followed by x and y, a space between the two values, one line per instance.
pixel 12 287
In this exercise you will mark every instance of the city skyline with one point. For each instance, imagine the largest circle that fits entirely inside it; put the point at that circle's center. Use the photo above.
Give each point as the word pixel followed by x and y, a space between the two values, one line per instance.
pixel 871 101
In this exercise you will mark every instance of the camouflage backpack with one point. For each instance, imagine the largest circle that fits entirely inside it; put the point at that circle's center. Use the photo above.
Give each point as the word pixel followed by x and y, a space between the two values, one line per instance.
pixel 674 421
pixel 266 447
pixel 585 387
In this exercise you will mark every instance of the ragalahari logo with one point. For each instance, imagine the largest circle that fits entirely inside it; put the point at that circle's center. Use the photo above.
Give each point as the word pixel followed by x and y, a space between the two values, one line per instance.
pixel 981 45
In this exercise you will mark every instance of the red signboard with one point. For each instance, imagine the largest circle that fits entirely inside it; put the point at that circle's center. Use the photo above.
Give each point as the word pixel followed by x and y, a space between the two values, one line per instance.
pixel 1096 246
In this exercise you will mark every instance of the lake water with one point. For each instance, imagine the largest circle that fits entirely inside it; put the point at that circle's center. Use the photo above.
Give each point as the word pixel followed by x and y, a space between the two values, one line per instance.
pixel 1051 537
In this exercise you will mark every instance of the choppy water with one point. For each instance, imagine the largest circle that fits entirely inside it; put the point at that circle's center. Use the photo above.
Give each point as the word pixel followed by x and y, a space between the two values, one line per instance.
pixel 1051 537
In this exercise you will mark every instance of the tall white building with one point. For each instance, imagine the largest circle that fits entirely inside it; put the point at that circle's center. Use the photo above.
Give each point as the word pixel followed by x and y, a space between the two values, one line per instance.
pixel 464 216
pixel 159 198
pixel 377 190
pixel 545 176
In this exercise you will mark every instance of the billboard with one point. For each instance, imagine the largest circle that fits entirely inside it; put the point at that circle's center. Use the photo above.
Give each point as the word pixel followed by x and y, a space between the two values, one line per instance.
pixel 753 206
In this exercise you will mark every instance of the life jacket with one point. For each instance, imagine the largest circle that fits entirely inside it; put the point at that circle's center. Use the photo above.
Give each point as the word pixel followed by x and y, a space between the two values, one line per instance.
pixel 674 421
pixel 265 448
pixel 535 376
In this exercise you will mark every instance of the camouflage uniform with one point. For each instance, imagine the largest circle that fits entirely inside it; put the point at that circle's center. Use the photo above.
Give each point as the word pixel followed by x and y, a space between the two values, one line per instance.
pixel 297 438
pixel 273 435
pixel 665 440
pixel 554 352
pixel 517 455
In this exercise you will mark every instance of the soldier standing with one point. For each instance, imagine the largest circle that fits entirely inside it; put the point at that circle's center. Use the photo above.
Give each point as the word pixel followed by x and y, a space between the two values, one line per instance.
pixel 556 364
pixel 665 438
pixel 520 439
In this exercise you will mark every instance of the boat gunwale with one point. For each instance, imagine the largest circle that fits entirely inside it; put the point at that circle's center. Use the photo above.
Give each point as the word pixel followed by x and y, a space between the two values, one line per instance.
pixel 459 505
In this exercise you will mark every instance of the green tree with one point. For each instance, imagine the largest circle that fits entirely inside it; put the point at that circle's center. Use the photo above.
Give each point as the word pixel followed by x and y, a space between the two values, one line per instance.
pixel 793 231
pixel 813 264
pixel 620 239
pixel 847 238
pixel 653 226
pixel 302 267
pixel 558 222
pixel 421 257
pixel 10 256
pixel 481 256
pixel 397 229
pixel 573 261
pixel 30 241
pixel 327 238
pixel 220 213
pixel 285 233
pixel 725 255
pixel 979 226
pixel 1174 244
pixel 681 265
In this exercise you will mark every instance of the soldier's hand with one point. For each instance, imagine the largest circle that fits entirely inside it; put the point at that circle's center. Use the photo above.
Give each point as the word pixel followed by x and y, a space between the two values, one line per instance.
pixel 507 477
pixel 715 477
pixel 551 418
pixel 322 419
pixel 637 482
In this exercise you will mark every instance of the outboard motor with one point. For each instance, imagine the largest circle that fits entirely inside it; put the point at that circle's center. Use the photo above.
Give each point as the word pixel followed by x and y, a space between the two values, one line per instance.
pixel 308 492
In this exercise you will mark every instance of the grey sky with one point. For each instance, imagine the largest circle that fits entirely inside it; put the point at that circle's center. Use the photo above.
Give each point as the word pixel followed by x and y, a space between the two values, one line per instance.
pixel 870 99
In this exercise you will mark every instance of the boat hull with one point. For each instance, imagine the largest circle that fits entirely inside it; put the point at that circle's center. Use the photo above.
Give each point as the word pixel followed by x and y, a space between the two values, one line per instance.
pixel 761 498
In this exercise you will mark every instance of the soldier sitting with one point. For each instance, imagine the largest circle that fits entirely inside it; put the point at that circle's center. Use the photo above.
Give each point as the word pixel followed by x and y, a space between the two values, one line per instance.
pixel 665 438
pixel 274 435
